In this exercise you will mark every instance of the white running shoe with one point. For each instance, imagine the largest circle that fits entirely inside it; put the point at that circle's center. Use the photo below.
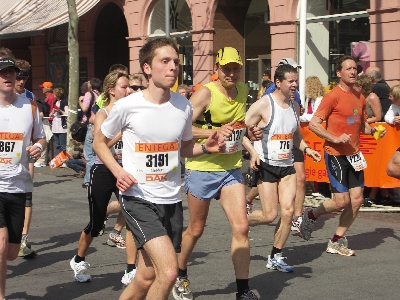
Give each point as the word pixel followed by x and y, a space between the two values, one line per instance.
pixel 296 224
pixel 277 263
pixel 128 277
pixel 80 270
pixel 116 240
pixel 181 290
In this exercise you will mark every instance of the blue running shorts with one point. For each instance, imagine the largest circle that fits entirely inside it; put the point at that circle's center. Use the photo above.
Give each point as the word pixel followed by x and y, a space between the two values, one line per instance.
pixel 207 185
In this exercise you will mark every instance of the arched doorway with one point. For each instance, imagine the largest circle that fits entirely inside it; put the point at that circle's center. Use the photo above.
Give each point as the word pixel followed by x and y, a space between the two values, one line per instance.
pixel 110 43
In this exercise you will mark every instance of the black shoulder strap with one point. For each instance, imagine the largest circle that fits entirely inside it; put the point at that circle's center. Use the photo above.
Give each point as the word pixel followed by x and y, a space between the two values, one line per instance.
pixel 208 121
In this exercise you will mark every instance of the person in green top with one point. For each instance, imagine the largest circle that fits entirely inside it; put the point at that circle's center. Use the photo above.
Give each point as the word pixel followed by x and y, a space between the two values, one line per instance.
pixel 218 106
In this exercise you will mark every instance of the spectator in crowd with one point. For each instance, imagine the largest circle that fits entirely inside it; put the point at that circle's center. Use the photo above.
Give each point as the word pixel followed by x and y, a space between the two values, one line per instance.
pixel 59 115
pixel 314 93
pixel 86 106
pixel 47 89
pixel 393 114
pixel 393 166
pixel 373 105
pixel 84 89
pixel 184 90
pixel 77 162
pixel 380 88
pixel 266 81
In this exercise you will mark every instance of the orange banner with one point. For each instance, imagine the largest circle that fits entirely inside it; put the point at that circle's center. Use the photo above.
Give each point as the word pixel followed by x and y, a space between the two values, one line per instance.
pixel 376 153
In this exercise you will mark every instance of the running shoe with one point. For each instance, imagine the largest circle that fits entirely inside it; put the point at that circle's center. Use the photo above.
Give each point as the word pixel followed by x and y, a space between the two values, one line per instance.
pixel 340 247
pixel 80 270
pixel 25 251
pixel 128 277
pixel 307 225
pixel 181 290
pixel 296 224
pixel 277 263
pixel 368 202
pixel 116 240
pixel 247 296
pixel 249 207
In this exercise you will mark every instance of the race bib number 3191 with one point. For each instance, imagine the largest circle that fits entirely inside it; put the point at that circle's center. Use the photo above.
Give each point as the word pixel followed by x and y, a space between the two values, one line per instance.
pixel 156 162
pixel 11 148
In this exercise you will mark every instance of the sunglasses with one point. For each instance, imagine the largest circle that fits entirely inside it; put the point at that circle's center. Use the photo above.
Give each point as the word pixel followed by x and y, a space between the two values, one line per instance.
pixel 136 87
pixel 22 78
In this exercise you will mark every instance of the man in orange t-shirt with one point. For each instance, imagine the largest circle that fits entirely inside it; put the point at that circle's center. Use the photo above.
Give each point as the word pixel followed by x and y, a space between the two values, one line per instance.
pixel 343 109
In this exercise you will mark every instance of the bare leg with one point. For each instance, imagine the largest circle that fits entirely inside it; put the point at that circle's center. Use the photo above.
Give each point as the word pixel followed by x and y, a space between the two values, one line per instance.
pixel 198 211
pixel 119 225
pixel 27 221
pixel 157 271
pixel 300 189
pixel 84 242
pixel 8 251
pixel 131 251
pixel 287 194
pixel 233 202
pixel 252 194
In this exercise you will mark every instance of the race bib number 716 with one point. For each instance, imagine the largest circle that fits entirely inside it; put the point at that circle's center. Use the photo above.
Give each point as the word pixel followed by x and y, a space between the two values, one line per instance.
pixel 156 162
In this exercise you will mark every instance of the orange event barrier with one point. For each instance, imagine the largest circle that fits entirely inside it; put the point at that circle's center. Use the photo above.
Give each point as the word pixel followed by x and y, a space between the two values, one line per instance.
pixel 376 153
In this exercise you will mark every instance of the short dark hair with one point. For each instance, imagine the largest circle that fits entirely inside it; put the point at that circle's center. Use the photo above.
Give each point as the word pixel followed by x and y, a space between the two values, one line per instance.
pixel 282 70
pixel 118 67
pixel 338 66
pixel 147 52
pixel 267 73
pixel 96 84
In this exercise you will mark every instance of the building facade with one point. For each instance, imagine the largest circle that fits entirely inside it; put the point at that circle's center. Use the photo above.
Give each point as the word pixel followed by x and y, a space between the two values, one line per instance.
pixel 264 31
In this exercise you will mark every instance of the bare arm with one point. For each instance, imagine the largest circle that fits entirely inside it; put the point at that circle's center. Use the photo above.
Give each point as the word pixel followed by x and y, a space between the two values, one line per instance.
pixel 315 126
pixel 393 166
pixel 100 117
pixel 213 144
pixel 375 104
pixel 100 146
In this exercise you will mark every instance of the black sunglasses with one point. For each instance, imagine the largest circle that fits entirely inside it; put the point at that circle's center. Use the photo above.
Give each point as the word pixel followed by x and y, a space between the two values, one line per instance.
pixel 136 87
pixel 22 77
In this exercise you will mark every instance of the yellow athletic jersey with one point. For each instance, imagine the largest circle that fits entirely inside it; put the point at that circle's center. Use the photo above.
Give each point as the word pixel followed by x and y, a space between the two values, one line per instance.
pixel 221 111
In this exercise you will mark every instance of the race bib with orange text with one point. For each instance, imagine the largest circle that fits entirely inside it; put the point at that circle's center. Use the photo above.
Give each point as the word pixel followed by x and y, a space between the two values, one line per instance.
pixel 156 162
pixel 11 148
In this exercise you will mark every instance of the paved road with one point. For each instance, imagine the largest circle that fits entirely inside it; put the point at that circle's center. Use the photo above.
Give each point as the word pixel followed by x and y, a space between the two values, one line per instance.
pixel 61 212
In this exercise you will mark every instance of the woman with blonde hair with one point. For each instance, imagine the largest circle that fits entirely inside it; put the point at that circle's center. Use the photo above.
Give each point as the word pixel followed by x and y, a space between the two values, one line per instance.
pixel 102 181
pixel 373 105
pixel 314 92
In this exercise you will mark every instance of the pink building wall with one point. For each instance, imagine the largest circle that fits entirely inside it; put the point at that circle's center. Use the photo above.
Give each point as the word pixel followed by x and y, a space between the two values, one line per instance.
pixel 385 41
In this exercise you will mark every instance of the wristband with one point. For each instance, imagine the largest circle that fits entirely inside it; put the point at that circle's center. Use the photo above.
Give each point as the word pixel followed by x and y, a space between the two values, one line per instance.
pixel 305 150
pixel 203 147
pixel 39 145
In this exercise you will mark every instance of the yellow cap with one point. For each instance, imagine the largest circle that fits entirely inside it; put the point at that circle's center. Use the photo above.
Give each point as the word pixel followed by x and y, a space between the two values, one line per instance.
pixel 228 55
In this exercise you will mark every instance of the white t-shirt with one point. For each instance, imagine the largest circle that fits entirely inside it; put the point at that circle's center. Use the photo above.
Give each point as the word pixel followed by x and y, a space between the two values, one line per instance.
pixel 15 135
pixel 152 136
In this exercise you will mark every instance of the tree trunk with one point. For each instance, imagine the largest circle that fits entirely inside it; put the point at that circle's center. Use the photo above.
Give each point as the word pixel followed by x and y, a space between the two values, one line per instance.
pixel 73 88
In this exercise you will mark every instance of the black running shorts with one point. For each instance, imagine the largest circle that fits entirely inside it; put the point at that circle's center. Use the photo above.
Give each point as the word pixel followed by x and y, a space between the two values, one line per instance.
pixel 147 220
pixel 342 175
pixel 268 173
pixel 12 215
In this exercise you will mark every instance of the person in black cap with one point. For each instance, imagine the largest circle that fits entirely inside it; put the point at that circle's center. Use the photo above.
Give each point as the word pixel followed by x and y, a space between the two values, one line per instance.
pixel 15 180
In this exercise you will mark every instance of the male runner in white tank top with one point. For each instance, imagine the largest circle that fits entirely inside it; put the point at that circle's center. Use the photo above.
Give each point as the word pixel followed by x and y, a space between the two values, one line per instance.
pixel 277 116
